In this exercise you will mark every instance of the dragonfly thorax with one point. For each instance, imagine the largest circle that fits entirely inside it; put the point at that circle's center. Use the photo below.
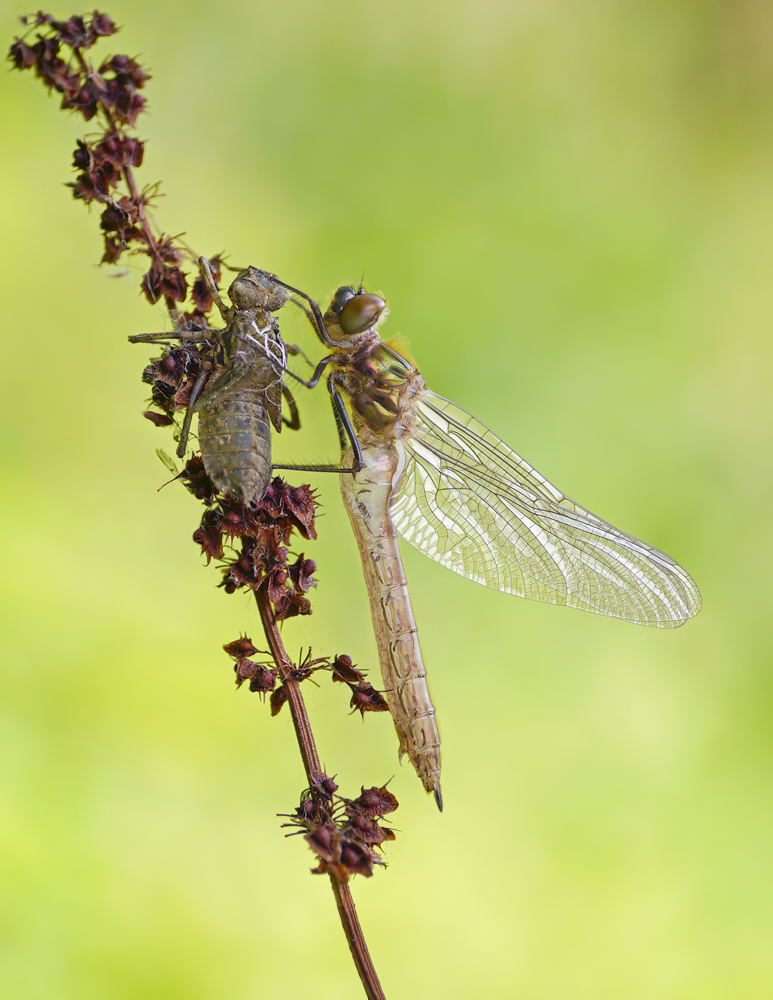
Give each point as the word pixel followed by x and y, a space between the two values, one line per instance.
pixel 380 386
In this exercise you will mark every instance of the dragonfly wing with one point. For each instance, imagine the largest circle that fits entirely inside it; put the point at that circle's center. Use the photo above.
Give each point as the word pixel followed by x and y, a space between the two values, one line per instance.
pixel 471 503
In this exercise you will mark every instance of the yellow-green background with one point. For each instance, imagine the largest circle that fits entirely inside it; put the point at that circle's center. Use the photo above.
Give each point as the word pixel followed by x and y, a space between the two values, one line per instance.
pixel 569 206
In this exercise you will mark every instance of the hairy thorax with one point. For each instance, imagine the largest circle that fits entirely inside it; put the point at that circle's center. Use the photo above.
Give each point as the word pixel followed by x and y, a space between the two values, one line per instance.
pixel 381 386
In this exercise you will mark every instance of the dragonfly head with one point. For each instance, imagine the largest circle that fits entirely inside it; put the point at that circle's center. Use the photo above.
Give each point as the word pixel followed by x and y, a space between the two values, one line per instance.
pixel 354 311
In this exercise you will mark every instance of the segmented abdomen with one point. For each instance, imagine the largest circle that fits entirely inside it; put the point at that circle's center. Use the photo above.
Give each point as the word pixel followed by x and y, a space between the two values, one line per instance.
pixel 366 498
pixel 235 441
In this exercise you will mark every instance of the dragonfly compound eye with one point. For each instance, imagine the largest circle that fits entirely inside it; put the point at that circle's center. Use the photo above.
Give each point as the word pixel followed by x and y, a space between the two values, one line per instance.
pixel 340 299
pixel 360 312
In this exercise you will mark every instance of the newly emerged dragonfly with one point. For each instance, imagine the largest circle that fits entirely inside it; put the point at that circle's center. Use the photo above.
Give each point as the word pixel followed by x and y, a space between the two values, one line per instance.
pixel 238 394
pixel 420 466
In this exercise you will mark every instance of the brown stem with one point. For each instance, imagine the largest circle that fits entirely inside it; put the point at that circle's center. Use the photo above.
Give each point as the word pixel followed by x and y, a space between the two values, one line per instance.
pixel 357 946
pixel 344 900
pixel 300 716
pixel 134 194
pixel 147 228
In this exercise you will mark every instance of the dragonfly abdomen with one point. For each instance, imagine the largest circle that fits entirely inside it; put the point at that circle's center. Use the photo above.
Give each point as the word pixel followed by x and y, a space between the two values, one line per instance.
pixel 235 441
pixel 366 498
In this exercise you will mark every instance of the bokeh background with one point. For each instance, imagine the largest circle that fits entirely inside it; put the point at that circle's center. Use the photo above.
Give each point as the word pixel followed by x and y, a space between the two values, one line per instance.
pixel 569 207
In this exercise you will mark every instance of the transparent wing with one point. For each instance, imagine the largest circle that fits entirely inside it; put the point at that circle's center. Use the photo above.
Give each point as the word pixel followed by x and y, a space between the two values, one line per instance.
pixel 469 502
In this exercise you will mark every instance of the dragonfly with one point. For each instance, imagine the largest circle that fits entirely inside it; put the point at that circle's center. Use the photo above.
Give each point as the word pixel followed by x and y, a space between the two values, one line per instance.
pixel 238 395
pixel 419 466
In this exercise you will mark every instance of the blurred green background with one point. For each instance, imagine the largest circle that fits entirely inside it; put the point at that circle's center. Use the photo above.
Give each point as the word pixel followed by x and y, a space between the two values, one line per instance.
pixel 569 207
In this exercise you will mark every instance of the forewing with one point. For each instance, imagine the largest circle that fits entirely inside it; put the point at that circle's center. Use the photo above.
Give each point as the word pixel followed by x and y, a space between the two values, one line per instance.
pixel 468 501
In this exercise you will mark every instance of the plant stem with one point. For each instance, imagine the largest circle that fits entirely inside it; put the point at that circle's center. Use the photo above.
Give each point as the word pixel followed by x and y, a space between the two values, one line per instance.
pixel 347 911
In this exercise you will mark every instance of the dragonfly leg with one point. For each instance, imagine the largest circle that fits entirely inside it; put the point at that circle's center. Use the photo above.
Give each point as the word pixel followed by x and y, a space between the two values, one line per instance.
pixel 293 350
pixel 294 422
pixel 314 314
pixel 318 372
pixel 346 432
pixel 209 279
pixel 186 428
pixel 338 469
pixel 309 314
pixel 147 338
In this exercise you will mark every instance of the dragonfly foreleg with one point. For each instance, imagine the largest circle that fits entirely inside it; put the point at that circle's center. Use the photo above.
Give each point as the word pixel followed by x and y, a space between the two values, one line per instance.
pixel 318 372
pixel 314 314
